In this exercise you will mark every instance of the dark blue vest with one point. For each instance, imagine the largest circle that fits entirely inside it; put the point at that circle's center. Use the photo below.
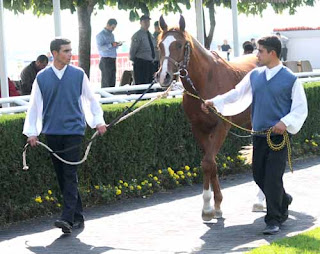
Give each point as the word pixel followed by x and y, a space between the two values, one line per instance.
pixel 271 99
pixel 62 111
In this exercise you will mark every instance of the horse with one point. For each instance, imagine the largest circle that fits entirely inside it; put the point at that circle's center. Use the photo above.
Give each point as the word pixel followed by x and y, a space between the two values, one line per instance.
pixel 211 75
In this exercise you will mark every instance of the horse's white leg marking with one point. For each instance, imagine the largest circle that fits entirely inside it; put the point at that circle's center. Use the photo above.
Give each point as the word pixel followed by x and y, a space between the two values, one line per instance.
pixel 166 44
pixel 207 210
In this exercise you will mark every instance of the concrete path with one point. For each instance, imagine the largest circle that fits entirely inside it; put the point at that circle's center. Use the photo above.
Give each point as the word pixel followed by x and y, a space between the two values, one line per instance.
pixel 171 222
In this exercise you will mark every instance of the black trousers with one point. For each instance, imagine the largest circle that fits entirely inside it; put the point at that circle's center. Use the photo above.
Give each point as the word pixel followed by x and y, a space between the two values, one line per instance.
pixel 67 175
pixel 108 69
pixel 143 71
pixel 268 169
pixel 284 53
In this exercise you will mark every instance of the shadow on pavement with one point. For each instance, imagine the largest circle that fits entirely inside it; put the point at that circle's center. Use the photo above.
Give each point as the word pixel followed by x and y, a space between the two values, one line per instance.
pixel 215 238
pixel 68 243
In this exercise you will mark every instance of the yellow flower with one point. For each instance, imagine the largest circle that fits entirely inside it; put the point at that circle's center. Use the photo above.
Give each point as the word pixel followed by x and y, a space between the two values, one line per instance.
pixel 47 198
pixel 38 199
pixel 177 182
pixel 49 192
pixel 120 181
pixel 150 185
pixel 194 174
pixel 195 169
pixel 224 165
pixel 150 175
pixel 142 183
pixel 307 140
pixel 158 182
pixel 228 158
pixel 139 187
pixel 120 187
pixel 51 198
pixel 125 185
pixel 170 171
pixel 186 167
pixel 160 171
pixel 58 205
pixel 131 187
pixel 182 177
pixel 189 174
pixel 118 192
pixel 97 187
pixel 231 160
pixel 155 178
pixel 180 172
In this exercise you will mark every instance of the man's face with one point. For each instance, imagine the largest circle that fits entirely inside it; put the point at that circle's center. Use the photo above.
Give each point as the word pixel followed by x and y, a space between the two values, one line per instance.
pixel 40 65
pixel 111 27
pixel 263 56
pixel 145 24
pixel 64 55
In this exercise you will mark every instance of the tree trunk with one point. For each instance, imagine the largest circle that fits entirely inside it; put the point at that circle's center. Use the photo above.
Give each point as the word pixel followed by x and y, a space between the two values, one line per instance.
pixel 208 39
pixel 84 20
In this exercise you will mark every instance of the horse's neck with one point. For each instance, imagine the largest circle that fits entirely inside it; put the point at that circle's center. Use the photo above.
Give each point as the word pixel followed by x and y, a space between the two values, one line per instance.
pixel 209 72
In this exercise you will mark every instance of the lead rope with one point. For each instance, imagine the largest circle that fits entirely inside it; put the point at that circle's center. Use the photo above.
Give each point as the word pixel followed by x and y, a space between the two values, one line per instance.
pixel 24 154
pixel 273 146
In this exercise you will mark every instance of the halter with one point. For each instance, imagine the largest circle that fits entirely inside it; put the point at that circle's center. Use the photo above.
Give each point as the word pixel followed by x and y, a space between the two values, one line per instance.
pixel 182 65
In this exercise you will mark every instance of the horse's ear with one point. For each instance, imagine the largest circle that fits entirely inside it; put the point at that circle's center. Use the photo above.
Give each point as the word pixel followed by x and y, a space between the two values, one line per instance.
pixel 163 24
pixel 182 23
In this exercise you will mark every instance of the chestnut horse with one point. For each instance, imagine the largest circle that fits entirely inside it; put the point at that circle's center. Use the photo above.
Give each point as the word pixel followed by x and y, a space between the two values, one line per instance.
pixel 211 75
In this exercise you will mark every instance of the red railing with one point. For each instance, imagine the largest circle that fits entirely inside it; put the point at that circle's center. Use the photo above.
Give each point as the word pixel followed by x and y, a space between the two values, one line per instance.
pixel 123 63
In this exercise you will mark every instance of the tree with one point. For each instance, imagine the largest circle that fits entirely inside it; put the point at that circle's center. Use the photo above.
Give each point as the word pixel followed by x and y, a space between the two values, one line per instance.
pixel 254 7
pixel 85 8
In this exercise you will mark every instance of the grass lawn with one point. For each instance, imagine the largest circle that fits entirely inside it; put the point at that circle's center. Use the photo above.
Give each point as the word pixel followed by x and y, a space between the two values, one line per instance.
pixel 305 243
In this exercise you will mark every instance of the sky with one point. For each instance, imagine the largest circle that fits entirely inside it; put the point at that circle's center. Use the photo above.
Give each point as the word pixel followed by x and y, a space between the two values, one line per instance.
pixel 27 36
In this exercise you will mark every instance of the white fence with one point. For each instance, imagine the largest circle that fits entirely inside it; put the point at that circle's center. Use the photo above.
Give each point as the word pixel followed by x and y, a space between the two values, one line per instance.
pixel 123 94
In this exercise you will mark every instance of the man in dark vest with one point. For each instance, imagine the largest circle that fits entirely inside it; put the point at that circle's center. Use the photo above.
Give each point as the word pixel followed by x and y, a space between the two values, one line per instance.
pixel 278 102
pixel 60 104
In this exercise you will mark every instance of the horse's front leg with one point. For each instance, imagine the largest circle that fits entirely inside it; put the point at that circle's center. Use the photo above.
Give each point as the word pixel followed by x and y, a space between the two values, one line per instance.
pixel 210 173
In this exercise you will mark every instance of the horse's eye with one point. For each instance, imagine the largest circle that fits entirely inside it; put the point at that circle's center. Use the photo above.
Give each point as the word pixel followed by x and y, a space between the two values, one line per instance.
pixel 179 45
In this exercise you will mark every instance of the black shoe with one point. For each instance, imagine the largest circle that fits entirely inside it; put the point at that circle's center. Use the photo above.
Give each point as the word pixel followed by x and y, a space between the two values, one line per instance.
pixel 64 225
pixel 271 230
pixel 286 213
pixel 78 224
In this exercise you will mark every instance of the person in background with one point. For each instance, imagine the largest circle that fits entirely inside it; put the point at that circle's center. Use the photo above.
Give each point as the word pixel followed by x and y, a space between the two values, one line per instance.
pixel 156 33
pixel 284 50
pixel 30 72
pixel 61 103
pixel 254 44
pixel 247 48
pixel 107 47
pixel 12 89
pixel 142 53
pixel 225 47
pixel 278 102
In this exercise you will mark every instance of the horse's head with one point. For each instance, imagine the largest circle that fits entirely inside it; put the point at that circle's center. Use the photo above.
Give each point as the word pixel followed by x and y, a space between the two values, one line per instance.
pixel 174 49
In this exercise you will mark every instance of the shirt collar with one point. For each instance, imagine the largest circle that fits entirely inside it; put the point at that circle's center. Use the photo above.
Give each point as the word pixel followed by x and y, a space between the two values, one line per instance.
pixel 59 73
pixel 273 71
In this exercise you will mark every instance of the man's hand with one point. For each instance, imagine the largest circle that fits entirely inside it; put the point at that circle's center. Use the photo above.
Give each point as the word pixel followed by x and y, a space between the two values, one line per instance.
pixel 32 140
pixel 279 128
pixel 205 106
pixel 101 128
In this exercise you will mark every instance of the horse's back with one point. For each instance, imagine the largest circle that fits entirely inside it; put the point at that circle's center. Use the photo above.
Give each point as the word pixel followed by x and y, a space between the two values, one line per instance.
pixel 245 63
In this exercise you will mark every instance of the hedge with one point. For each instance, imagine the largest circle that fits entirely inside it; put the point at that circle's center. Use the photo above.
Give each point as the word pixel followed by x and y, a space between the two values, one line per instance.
pixel 155 138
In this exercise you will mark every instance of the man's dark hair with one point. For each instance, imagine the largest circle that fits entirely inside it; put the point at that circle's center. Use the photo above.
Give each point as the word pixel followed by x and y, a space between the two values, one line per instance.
pixel 112 22
pixel 55 45
pixel 271 43
pixel 42 59
pixel 247 48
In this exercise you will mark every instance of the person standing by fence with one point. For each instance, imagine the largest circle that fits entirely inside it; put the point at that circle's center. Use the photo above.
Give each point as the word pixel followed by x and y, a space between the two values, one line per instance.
pixel 107 47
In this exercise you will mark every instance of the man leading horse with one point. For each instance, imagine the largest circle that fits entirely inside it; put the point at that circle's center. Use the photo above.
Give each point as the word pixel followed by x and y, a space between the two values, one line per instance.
pixel 278 102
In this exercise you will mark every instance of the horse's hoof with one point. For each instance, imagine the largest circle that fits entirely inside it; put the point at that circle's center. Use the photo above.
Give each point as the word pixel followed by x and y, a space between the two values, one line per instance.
pixel 218 214
pixel 208 216
pixel 257 207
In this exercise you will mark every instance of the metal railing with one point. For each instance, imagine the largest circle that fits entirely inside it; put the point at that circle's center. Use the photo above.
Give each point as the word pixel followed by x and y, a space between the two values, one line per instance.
pixel 125 93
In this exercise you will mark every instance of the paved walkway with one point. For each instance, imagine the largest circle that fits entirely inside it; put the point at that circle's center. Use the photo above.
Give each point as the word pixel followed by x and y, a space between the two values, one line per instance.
pixel 171 222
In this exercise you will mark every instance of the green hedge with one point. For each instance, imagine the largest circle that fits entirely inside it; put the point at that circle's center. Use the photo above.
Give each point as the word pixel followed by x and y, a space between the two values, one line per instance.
pixel 155 138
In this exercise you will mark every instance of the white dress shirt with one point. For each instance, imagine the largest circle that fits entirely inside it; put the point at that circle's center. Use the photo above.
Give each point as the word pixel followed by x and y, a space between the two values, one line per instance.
pixel 90 106
pixel 239 99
